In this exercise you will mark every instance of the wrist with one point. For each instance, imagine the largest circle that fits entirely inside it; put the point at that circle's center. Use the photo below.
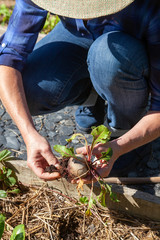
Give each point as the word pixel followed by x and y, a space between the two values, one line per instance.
pixel 29 134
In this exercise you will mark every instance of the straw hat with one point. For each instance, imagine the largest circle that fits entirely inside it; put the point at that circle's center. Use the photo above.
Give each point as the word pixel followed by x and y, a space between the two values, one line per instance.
pixel 83 8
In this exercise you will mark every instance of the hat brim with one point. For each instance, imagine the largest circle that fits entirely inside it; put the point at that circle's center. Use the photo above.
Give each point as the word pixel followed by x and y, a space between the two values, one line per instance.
pixel 84 9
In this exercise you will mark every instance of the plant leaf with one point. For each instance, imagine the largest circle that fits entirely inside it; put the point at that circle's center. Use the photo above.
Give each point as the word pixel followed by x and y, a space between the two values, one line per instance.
pixel 113 196
pixel 9 172
pixel 10 181
pixel 15 191
pixel 3 194
pixel 64 151
pixel 83 200
pixel 100 134
pixel 102 197
pixel 74 136
pixel 91 202
pixel 88 213
pixel 4 154
pixel 106 155
pixel 2 223
pixel 18 233
pixel 81 137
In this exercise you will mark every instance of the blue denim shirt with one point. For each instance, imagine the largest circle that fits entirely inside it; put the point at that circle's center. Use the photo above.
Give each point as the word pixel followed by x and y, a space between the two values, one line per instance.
pixel 141 19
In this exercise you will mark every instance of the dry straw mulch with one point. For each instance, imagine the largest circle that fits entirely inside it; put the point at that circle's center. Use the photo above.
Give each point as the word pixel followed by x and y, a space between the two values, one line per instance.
pixel 48 214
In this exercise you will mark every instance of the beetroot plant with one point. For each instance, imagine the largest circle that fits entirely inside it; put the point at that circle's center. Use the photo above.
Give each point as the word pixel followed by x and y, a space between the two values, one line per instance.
pixel 78 166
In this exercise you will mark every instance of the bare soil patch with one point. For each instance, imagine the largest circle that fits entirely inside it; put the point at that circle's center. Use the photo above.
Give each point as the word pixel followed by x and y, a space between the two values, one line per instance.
pixel 48 214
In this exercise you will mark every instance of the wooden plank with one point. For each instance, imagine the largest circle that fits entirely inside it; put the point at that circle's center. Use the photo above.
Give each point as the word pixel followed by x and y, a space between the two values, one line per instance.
pixel 132 201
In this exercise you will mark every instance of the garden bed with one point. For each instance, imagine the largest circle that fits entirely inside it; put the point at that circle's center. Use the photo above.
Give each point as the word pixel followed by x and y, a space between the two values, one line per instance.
pixel 48 214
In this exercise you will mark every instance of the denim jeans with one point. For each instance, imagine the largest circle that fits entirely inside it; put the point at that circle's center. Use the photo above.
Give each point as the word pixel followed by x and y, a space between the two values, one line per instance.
pixel 63 68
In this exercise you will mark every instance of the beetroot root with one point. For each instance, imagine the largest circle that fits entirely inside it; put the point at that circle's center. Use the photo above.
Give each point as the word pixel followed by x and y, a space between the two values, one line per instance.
pixel 77 167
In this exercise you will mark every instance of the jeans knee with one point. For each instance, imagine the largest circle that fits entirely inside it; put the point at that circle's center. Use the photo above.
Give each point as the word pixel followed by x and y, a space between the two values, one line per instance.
pixel 115 53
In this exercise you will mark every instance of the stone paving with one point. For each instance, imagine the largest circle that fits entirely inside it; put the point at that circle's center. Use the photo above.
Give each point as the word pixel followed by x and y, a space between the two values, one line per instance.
pixel 57 127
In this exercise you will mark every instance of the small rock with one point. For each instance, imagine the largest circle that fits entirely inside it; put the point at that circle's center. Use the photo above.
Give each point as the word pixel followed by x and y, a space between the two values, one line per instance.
pixel 153 164
pixel 57 118
pixel 44 133
pixel 1 130
pixel 12 143
pixel 52 134
pixel 9 133
pixel 2 141
pixel 91 229
pixel 66 130
pixel 62 140
pixel 157 189
pixel 2 111
pixel 23 156
pixel 6 116
pixel 132 174
pixel 49 125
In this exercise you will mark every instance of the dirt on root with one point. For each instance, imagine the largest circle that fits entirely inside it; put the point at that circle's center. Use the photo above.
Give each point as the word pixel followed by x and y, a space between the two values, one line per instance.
pixel 47 214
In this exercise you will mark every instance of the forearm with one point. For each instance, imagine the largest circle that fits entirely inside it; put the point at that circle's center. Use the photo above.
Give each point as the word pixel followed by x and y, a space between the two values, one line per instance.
pixel 146 130
pixel 13 98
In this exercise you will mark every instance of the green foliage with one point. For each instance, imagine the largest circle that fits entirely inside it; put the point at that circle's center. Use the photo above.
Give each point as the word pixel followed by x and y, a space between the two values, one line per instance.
pixel 2 224
pixel 106 155
pixel 100 134
pixel 5 155
pixel 3 194
pixel 64 151
pixel 83 200
pixel 8 179
pixel 18 233
pixel 5 14
pixel 50 23
pixel 102 197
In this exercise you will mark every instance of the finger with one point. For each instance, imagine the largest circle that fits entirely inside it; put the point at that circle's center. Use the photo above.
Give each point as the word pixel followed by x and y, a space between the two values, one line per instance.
pixel 50 176
pixel 81 150
pixel 39 171
pixel 51 159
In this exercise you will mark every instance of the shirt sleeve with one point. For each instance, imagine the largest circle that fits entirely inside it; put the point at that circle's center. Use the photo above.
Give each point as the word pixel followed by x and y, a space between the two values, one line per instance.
pixel 154 60
pixel 18 41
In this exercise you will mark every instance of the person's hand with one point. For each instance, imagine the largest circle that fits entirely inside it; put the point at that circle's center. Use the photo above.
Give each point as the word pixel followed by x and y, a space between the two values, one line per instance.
pixel 39 156
pixel 101 167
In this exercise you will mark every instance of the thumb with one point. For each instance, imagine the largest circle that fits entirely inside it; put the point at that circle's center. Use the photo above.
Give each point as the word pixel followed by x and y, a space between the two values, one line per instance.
pixel 81 150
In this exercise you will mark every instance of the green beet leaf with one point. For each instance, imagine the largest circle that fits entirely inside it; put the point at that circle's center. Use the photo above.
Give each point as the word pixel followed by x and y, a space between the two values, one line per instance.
pixel 4 154
pixel 9 172
pixel 18 233
pixel 2 223
pixel 106 155
pixel 100 134
pixel 14 191
pixel 102 197
pixel 84 200
pixel 64 151
pixel 74 136
pixel 10 181
pixel 3 194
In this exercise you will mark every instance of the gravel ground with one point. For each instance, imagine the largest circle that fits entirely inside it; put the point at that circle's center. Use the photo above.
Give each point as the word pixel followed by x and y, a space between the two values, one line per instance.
pixel 57 127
